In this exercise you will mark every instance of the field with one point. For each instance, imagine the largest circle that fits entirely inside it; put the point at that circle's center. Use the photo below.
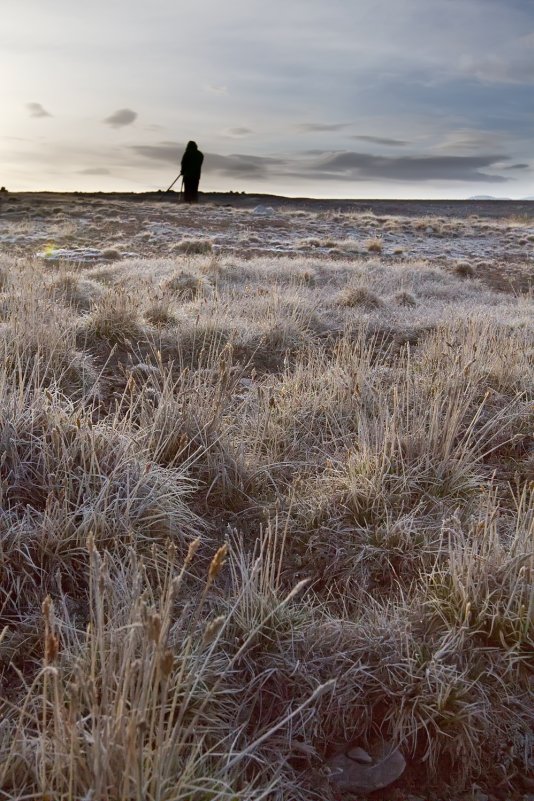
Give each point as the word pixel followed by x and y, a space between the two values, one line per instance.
pixel 267 498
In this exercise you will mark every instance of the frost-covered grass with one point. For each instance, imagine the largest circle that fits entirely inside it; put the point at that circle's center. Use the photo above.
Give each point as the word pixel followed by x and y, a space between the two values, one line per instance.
pixel 253 509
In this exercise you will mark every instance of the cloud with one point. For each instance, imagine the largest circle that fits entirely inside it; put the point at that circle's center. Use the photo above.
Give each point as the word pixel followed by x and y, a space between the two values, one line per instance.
pixel 511 64
pixel 37 110
pixel 321 127
pixel 94 171
pixel 340 165
pixel 235 164
pixel 165 151
pixel 214 89
pixel 121 117
pixel 379 140
pixel 469 141
pixel 352 166
pixel 517 167
pixel 237 132
pixel 245 165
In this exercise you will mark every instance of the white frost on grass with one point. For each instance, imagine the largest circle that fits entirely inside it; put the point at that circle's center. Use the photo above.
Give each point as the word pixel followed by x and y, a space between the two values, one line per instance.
pixel 250 291
pixel 81 254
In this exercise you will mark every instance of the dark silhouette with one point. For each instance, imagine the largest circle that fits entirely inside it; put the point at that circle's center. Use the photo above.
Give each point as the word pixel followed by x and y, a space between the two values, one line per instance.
pixel 191 166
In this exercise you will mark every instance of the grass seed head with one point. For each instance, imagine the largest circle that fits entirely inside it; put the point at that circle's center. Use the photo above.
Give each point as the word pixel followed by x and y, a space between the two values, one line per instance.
pixel 217 562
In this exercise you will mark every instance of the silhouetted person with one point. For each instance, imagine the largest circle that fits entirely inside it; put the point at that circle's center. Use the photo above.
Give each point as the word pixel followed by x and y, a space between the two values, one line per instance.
pixel 191 167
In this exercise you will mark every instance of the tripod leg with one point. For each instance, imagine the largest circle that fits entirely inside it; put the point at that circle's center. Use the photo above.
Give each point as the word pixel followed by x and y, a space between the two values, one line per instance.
pixel 171 186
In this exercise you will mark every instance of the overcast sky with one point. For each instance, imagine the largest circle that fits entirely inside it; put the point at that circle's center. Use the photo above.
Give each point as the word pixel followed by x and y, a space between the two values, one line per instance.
pixel 339 98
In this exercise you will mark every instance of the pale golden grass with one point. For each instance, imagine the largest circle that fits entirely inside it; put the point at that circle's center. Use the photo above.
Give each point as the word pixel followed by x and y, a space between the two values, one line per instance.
pixel 244 525
pixel 191 247
pixel 374 244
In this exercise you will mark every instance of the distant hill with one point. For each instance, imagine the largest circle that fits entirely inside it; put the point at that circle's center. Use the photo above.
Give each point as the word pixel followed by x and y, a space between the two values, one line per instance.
pixel 488 197
pixel 492 197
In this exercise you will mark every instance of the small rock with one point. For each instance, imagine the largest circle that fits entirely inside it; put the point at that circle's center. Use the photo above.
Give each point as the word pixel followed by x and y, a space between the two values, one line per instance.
pixel 359 755
pixel 351 776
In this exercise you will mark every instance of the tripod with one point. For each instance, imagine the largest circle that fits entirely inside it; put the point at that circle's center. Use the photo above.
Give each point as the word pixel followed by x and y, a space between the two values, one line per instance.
pixel 182 186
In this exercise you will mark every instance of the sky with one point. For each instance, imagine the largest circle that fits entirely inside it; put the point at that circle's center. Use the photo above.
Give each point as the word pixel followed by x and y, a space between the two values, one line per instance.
pixel 320 98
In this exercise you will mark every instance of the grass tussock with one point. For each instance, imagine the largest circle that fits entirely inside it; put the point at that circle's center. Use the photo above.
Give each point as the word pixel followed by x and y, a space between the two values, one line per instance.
pixel 115 318
pixel 374 245
pixel 185 285
pixel 405 299
pixel 194 247
pixel 242 527
pixel 464 269
pixel 72 289
pixel 111 254
pixel 354 296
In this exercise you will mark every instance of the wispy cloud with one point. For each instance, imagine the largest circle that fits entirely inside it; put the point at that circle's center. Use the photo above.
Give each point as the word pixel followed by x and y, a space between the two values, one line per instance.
pixel 94 171
pixel 468 141
pixel 164 151
pixel 380 140
pixel 511 63
pixel 216 89
pixel 37 110
pixel 237 132
pixel 245 165
pixel 121 117
pixel 321 127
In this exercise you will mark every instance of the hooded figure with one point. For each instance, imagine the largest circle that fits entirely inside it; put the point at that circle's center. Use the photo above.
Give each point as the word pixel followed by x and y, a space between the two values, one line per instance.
pixel 191 166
